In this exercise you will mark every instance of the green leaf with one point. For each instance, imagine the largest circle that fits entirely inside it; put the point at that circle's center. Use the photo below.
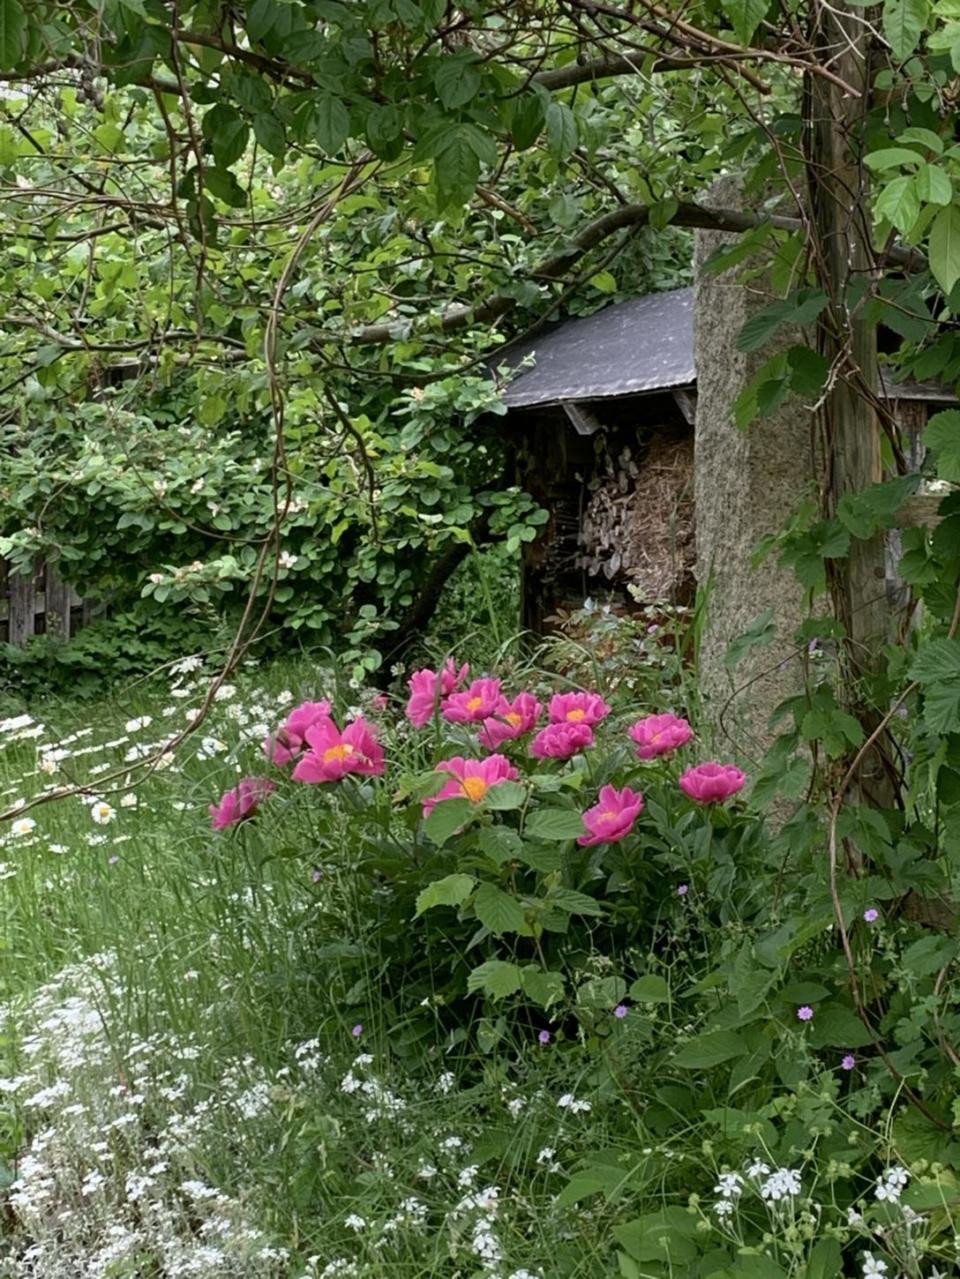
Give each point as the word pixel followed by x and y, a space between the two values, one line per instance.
pixel 446 817
pixel 261 16
pixel 604 281
pixel 808 370
pixel 925 137
pixel 456 79
pixel 941 708
pixel 761 631
pixel 801 307
pixel 452 890
pixel 574 903
pixel 500 843
pixel 601 992
pixel 385 131
pixel 226 131
pixel 667 1235
pixel 899 203
pixel 544 988
pixel 936 660
pixel 13 33
pixel 529 117
pixel 223 184
pixel 944 254
pixel 499 911
pixel 903 22
pixel 650 989
pixel 825 1260
pixel 328 122
pixel 553 823
pixel 745 16
pixel 506 796
pixel 457 168
pixel 561 129
pixel 704 1051
pixel 269 132
pixel 494 978
pixel 933 185
pixel 835 1026
pixel 891 158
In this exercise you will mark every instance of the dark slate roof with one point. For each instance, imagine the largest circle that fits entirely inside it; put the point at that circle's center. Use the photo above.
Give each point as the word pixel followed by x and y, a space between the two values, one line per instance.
pixel 644 344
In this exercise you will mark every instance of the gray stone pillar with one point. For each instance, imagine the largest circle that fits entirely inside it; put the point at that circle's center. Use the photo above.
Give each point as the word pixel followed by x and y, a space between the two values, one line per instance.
pixel 747 483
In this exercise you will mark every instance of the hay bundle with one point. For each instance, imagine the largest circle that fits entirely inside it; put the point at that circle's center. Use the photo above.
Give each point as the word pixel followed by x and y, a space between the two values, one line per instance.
pixel 638 525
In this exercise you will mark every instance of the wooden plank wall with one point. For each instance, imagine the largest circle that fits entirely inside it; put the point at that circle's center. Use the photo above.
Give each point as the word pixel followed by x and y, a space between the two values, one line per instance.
pixel 38 603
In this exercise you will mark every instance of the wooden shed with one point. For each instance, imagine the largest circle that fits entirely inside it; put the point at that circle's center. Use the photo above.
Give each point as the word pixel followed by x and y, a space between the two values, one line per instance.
pixel 601 418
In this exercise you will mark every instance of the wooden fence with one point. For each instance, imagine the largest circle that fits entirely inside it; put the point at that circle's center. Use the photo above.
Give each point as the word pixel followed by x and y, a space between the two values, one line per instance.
pixel 40 604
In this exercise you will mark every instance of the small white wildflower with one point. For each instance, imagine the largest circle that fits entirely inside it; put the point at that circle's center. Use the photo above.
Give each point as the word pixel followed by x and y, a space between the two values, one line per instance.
pixel 545 1155
pixel 723 1207
pixel 102 813
pixel 467 1176
pixel 515 1105
pixel 758 1169
pixel 446 1081
pixel 569 1102
pixel 783 1183
pixel 129 800
pixel 729 1185
pixel 355 1222
pixel 22 826
pixel 134 725
pixel 873 1267
pixel 287 560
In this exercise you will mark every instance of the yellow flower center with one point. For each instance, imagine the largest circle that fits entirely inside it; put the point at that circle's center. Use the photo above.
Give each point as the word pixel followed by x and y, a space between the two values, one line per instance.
pixel 513 718
pixel 474 703
pixel 608 816
pixel 474 788
pixel 340 751
pixel 576 716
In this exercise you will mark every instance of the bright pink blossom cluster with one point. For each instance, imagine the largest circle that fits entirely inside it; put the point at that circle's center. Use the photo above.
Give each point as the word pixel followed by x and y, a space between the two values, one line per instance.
pixel 320 752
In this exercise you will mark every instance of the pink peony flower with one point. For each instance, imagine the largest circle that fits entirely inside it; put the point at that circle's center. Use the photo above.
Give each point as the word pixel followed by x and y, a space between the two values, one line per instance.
pixel 240 803
pixel 660 734
pixel 427 688
pixel 479 701
pixel 511 720
pixel 578 708
pixel 560 741
pixel 711 783
pixel 472 778
pixel 613 817
pixel 289 740
pixel 333 754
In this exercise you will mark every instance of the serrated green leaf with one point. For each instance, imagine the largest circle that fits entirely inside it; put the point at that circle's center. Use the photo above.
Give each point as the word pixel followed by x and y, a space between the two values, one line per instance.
pixel 13 33
pixel 574 903
pixel 446 817
pixel 650 989
pixel 601 992
pixel 936 660
pixel 561 126
pixel 553 823
pixel 944 253
pixel 899 203
pixel 745 16
pixel 500 843
pixel 499 911
pixel 452 890
pixel 761 631
pixel 495 978
pixel 506 796
pixel 226 131
pixel 903 23
pixel 891 158
pixel 835 1026
pixel 328 122
pixel 544 988
pixel 710 1049
pixel 269 132
pixel 933 185
pixel 457 79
